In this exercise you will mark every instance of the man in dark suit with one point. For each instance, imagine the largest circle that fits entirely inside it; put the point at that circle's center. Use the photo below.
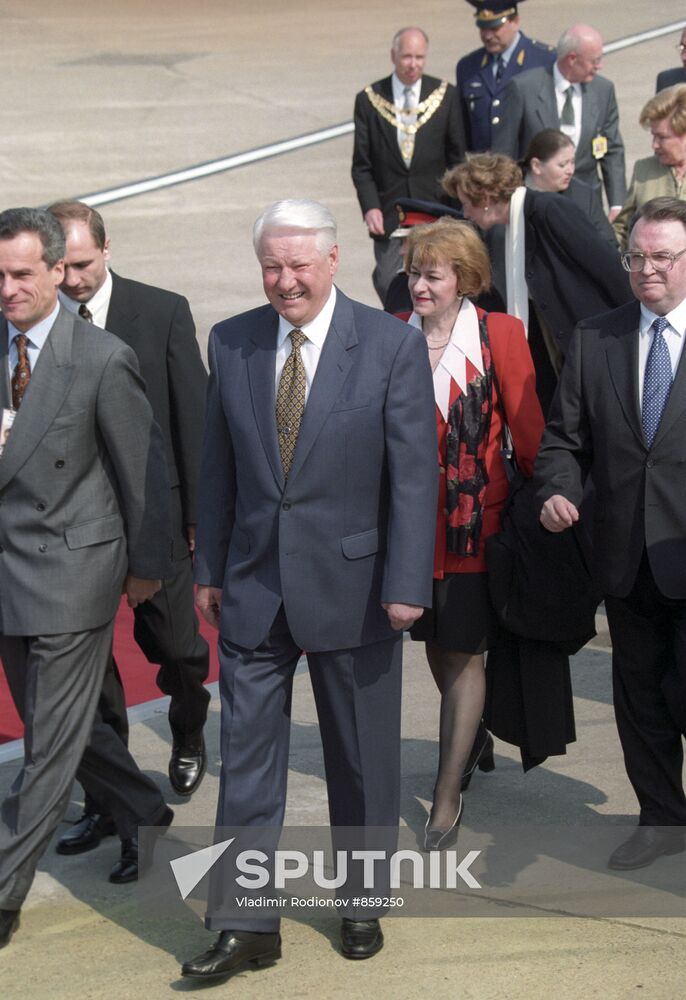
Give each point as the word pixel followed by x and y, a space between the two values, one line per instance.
pixel 317 515
pixel 408 130
pixel 570 96
pixel 669 77
pixel 620 416
pixel 158 325
pixel 84 513
pixel 483 75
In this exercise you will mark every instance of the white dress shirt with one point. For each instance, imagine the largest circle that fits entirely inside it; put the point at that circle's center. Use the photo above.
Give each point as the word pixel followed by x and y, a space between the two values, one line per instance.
pixel 561 85
pixel 98 305
pixel 673 335
pixel 464 345
pixel 36 338
pixel 399 101
pixel 311 350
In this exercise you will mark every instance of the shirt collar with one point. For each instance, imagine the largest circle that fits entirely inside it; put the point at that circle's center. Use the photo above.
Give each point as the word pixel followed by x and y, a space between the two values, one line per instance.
pixel 38 334
pixel 399 89
pixel 676 319
pixel 100 299
pixel 507 54
pixel 464 346
pixel 561 82
pixel 316 330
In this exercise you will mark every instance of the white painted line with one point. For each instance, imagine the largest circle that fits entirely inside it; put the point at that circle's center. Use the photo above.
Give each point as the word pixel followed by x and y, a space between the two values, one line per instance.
pixel 216 166
pixel 643 36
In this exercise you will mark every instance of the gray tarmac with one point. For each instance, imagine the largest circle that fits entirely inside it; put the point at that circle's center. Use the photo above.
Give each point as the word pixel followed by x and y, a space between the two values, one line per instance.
pixel 95 97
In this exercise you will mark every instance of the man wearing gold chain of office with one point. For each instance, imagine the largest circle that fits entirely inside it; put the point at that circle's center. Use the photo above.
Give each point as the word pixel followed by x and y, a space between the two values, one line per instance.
pixel 408 131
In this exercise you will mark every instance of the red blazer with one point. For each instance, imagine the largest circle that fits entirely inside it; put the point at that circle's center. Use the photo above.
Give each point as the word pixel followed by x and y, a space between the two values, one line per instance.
pixel 522 412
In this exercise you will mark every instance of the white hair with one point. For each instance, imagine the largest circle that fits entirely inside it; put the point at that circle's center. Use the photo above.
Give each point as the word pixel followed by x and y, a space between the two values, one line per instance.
pixel 298 213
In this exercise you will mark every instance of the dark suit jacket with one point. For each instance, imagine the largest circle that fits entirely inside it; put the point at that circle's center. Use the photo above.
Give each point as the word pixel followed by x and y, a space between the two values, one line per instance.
pixel 354 525
pixel 84 495
pixel 159 327
pixel 379 172
pixel 587 198
pixel 670 77
pixel 571 272
pixel 532 106
pixel 484 102
pixel 595 428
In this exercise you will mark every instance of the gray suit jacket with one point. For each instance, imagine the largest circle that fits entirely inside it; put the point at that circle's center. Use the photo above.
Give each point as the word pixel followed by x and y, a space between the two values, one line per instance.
pixel 84 495
pixel 595 428
pixel 532 106
pixel 355 523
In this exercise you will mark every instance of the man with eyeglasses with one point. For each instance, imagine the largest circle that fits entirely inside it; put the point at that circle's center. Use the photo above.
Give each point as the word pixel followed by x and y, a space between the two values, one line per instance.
pixel 668 77
pixel 571 96
pixel 620 416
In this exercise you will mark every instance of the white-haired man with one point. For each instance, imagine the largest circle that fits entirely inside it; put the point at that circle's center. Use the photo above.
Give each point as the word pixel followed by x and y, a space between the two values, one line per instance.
pixel 571 96
pixel 315 531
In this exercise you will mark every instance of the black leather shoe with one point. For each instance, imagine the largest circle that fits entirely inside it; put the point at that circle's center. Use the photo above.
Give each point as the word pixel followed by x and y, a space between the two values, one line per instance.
pixel 187 766
pixel 133 861
pixel 9 923
pixel 437 839
pixel 233 950
pixel 645 845
pixel 481 756
pixel 360 938
pixel 85 834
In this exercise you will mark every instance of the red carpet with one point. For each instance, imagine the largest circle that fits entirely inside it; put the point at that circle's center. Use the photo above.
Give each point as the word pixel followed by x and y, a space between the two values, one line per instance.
pixel 137 673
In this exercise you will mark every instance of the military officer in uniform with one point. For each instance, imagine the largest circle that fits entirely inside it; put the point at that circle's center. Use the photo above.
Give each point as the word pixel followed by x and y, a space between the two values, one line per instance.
pixel 483 75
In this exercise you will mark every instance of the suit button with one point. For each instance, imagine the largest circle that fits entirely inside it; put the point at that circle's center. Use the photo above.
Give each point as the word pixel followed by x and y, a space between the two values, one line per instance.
pixel 43 548
pixel 285 506
pixel 441 470
pixel 40 506
pixel 650 463
pixel 496 103
pixel 59 464
pixel 495 121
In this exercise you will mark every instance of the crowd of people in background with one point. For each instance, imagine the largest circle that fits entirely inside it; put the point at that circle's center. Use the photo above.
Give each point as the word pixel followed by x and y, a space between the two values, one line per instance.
pixel 353 467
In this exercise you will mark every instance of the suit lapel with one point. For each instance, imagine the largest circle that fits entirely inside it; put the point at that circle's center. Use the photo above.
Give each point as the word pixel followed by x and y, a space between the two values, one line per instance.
pixel 122 312
pixel 50 382
pixel 334 364
pixel 589 122
pixel 261 373
pixel 388 131
pixel 5 387
pixel 621 354
pixel 547 103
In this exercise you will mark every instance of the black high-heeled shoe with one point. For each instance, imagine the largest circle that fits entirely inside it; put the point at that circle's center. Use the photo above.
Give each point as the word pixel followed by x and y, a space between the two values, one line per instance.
pixel 436 839
pixel 481 756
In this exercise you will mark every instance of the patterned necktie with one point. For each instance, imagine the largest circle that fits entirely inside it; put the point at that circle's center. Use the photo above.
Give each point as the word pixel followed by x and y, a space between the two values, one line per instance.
pixel 290 401
pixel 22 373
pixel 567 116
pixel 657 382
pixel 85 312
pixel 499 69
pixel 407 138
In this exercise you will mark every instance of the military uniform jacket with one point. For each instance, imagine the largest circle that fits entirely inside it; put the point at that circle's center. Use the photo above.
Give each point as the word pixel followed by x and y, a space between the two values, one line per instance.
pixel 483 101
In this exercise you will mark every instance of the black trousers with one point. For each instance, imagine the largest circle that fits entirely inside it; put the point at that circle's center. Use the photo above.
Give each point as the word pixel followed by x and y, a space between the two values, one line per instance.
pixel 648 633
pixel 166 629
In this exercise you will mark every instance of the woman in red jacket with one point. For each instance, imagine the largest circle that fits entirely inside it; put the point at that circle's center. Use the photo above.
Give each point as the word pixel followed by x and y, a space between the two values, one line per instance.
pixel 484 380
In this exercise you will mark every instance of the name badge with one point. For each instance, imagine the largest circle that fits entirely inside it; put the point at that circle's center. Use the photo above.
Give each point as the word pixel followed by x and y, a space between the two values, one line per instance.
pixel 599 147
pixel 5 427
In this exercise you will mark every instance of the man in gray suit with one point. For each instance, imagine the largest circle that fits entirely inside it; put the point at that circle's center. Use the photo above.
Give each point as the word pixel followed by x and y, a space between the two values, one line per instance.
pixel 84 513
pixel 620 416
pixel 317 509
pixel 569 95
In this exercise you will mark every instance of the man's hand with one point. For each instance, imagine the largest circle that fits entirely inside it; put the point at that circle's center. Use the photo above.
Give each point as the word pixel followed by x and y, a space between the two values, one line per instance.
pixel 613 213
pixel 558 513
pixel 374 220
pixel 189 530
pixel 402 615
pixel 138 590
pixel 208 602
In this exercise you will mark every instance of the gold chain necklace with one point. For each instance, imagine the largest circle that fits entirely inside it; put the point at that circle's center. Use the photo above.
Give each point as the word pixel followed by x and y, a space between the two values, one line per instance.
pixel 393 114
